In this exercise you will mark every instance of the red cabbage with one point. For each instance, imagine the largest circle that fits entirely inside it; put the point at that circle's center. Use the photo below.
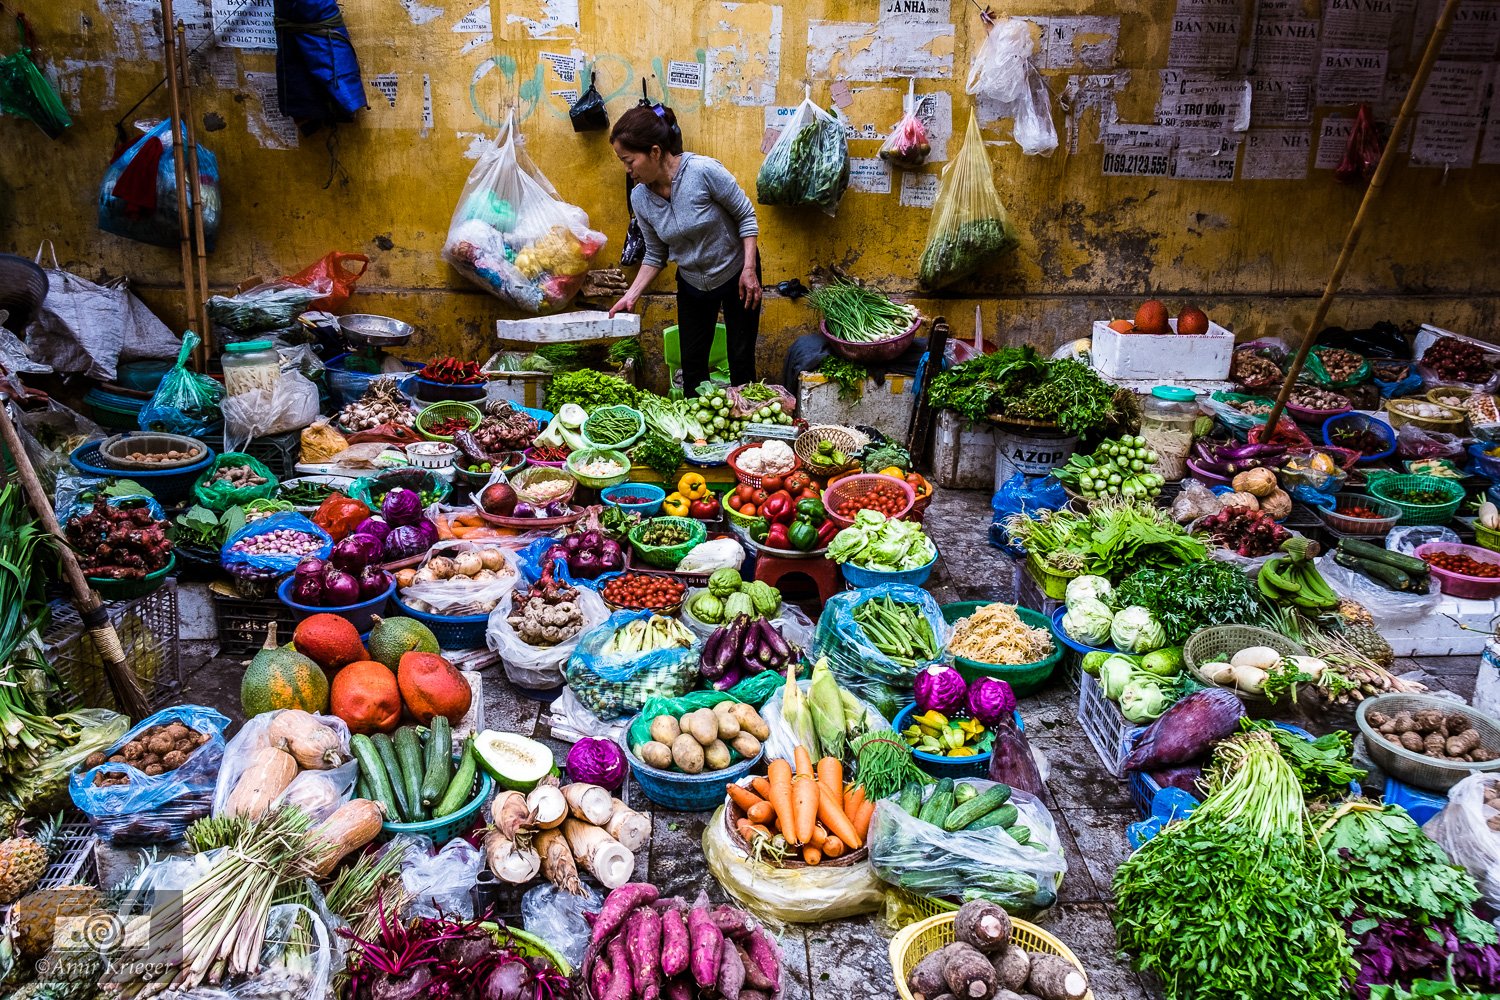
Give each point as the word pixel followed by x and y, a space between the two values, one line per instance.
pixel 376 527
pixel 354 552
pixel 339 589
pixel 429 532
pixel 401 506
pixel 939 688
pixel 404 542
pixel 597 762
pixel 990 700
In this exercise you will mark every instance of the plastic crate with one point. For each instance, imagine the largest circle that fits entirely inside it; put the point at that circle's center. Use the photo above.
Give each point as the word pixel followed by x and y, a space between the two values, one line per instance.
pixel 243 624
pixel 1103 724
pixel 147 627
pixel 77 861
pixel 1421 805
pixel 279 452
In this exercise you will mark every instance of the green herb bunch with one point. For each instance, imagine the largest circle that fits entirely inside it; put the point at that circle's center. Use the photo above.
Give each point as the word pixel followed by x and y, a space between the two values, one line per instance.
pixel 660 454
pixel 1187 598
pixel 589 389
pixel 1017 382
pixel 847 375
pixel 1324 766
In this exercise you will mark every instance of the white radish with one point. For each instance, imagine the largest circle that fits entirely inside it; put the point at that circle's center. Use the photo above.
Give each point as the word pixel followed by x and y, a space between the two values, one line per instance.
pixel 508 862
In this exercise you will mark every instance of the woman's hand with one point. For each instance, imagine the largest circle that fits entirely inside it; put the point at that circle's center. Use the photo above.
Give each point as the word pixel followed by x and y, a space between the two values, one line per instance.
pixel 627 303
pixel 750 291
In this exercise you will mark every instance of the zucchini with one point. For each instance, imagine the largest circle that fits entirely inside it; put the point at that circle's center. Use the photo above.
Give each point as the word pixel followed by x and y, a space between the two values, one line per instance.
pixel 938 804
pixel 976 808
pixel 910 799
pixel 392 771
pixel 361 787
pixel 462 784
pixel 372 772
pixel 1364 550
pixel 439 769
pixel 409 757
pixel 1384 574
pixel 1004 817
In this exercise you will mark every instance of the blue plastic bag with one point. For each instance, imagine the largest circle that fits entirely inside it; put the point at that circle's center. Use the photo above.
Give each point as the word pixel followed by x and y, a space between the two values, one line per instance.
pixel 530 560
pixel 154 809
pixel 80 507
pixel 145 211
pixel 853 658
pixel 1022 495
pixel 184 402
pixel 613 686
pixel 1314 498
pixel 253 566
pixel 1395 390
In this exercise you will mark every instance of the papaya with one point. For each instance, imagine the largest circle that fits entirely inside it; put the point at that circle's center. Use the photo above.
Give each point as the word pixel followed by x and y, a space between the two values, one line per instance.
pixel 366 697
pixel 392 638
pixel 280 677
pixel 432 686
pixel 331 640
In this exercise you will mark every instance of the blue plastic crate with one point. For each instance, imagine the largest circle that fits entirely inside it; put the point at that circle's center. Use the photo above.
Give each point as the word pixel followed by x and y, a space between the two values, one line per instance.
pixel 1421 805
pixel 452 631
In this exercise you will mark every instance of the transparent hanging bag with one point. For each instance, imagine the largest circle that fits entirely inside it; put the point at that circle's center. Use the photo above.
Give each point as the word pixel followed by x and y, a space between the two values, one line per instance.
pixel 970 227
pixel 809 163
pixel 908 145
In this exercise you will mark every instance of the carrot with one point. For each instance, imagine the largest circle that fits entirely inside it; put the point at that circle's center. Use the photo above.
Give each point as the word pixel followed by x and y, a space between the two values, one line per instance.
pixel 811 854
pixel 779 774
pixel 835 819
pixel 831 777
pixel 819 835
pixel 862 824
pixel 833 847
pixel 761 812
pixel 761 787
pixel 743 797
pixel 471 519
pixel 750 830
pixel 853 799
pixel 444 529
pixel 804 762
pixel 805 805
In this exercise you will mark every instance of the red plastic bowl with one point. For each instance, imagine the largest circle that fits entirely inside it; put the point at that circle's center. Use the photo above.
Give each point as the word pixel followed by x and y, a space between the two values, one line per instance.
pixel 1477 588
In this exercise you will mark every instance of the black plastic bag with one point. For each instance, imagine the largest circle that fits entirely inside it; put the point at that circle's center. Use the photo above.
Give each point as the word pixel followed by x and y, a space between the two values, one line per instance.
pixel 588 112
pixel 634 250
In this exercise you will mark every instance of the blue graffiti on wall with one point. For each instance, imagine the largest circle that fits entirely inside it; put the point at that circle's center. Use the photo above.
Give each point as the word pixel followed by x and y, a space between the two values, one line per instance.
pixel 615 75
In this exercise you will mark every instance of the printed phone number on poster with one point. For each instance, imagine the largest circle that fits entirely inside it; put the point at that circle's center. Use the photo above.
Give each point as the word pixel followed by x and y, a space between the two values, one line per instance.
pixel 1138 164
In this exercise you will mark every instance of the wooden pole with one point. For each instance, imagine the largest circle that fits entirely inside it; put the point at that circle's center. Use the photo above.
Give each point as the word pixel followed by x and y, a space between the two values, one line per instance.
pixel 169 41
pixel 122 679
pixel 200 249
pixel 1372 194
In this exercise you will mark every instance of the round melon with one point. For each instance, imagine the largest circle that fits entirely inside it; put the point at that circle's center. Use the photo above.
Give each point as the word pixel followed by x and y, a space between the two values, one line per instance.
pixel 281 677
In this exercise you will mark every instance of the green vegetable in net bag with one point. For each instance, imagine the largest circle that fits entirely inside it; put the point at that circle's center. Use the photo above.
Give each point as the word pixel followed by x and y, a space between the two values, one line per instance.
pixel 809 164
pixel 234 480
pixel 969 227
pixel 185 402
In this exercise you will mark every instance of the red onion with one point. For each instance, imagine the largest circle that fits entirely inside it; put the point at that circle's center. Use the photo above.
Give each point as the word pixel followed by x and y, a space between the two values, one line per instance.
pixel 339 589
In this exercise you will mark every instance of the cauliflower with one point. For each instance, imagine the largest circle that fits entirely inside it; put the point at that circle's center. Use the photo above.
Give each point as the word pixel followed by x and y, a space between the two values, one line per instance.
pixel 776 458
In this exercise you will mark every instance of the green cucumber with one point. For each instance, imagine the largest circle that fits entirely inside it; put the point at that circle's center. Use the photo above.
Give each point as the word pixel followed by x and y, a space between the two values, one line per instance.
pixel 976 808
pixel 361 788
pixel 392 771
pixel 938 804
pixel 910 799
pixel 1364 550
pixel 409 757
pixel 372 772
pixel 1384 574
pixel 462 784
pixel 439 769
pixel 963 792
pixel 1020 834
pixel 1004 817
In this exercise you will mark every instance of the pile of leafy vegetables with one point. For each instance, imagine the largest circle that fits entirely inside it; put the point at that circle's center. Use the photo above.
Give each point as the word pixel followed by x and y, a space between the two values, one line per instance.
pixel 1116 537
pixel 1187 598
pixel 589 389
pixel 660 454
pixel 1018 382
pixel 1426 989
pixel 847 375
pixel 1324 766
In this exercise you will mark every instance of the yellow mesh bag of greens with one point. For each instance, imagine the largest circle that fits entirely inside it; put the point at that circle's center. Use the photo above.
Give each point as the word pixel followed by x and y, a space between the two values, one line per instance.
pixel 969 226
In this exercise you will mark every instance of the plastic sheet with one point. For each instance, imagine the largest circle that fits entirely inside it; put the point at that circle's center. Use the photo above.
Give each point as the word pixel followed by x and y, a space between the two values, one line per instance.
pixel 254 735
pixel 806 895
pixel 1413 442
pixel 1463 829
pixel 969 227
pixel 184 402
pixel 557 917
pixel 855 661
pixel 1407 538
pixel 154 808
pixel 751 691
pixel 925 859
pixel 616 685
pixel 439 884
pixel 539 667
pixel 290 406
pixel 218 495
pixel 1388 607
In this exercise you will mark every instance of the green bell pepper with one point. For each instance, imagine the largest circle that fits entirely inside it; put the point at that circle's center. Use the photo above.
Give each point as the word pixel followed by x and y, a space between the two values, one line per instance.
pixel 802 535
pixel 811 508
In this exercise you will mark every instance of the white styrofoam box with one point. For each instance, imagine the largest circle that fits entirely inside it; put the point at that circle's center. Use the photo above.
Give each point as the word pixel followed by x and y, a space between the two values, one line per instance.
pixel 1142 386
pixel 1165 356
pixel 963 458
pixel 1457 627
pixel 524 388
pixel 887 404
pixel 1428 335
pixel 569 327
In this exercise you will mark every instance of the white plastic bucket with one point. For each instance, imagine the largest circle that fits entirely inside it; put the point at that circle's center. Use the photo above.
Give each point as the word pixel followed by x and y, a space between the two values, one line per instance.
pixel 1030 451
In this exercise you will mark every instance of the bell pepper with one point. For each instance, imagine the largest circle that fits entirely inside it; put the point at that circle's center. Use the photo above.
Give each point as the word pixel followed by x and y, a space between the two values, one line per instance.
pixel 777 538
pixel 676 505
pixel 779 507
pixel 802 535
pixel 919 484
pixel 759 531
pixel 811 509
pixel 693 486
pixel 894 471
pixel 826 531
pixel 705 510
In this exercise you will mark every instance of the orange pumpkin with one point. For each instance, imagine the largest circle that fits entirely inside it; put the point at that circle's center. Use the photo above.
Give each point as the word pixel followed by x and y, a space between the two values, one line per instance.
pixel 365 695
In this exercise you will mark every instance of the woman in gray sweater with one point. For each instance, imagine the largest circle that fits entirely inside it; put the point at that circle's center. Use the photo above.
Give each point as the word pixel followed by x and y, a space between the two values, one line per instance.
pixel 691 210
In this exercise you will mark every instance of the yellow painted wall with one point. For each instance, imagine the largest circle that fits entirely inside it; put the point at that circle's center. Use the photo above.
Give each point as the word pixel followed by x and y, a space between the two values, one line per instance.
pixel 1254 253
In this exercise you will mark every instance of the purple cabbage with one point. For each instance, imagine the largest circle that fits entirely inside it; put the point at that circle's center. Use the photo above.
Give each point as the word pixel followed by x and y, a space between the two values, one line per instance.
pixel 376 527
pixel 404 542
pixel 1188 730
pixel 339 589
pixel 940 688
pixel 597 762
pixel 990 700
pixel 401 507
pixel 429 532
pixel 353 553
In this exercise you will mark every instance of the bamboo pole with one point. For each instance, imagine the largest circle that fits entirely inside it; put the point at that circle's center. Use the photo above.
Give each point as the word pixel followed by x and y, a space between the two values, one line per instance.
pixel 200 248
pixel 122 679
pixel 1372 194
pixel 169 42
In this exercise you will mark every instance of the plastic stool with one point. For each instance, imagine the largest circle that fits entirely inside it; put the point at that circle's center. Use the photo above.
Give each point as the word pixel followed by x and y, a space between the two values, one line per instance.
pixel 823 573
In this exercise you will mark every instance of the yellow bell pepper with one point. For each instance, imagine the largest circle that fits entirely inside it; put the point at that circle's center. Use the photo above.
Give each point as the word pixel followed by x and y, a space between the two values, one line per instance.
pixel 893 470
pixel 693 486
pixel 675 505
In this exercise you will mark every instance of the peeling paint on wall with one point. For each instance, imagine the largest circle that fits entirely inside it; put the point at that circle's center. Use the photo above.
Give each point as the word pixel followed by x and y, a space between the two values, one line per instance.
pixel 271 129
pixel 420 13
pixel 860 50
pixel 743 55
pixel 553 19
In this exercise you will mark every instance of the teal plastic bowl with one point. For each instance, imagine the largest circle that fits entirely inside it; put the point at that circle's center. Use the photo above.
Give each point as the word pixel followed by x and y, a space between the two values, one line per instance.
pixel 974 766
pixel 1023 678
pixel 648 509
pixel 446 828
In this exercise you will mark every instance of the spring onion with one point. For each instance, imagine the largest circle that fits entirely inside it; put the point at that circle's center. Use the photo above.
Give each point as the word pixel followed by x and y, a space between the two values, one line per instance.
pixel 861 315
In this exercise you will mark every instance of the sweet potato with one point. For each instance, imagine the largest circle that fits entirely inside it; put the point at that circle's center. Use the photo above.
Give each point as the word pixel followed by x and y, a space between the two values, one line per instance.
pixel 731 973
pixel 766 956
pixel 618 906
pixel 730 920
pixel 1054 978
pixel 754 978
pixel 643 946
pixel 599 976
pixel 968 973
pixel 620 982
pixel 678 989
pixel 983 925
pixel 674 944
pixel 750 993
pixel 706 943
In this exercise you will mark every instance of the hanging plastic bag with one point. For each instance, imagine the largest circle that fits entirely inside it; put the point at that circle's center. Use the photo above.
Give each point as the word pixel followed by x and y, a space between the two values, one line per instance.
pixel 537 668
pixel 153 808
pixel 1363 149
pixel 269 565
pixel 26 93
pixel 184 402
pixel 138 196
pixel 853 657
pixel 998 73
pixel 929 861
pixel 1033 128
pixel 1468 828
pixel 615 684
pixel 634 250
pixel 969 226
pixel 795 894
pixel 316 791
pixel 908 145
pixel 588 113
pixel 809 163
pixel 513 236
pixel 290 405
pixel 332 278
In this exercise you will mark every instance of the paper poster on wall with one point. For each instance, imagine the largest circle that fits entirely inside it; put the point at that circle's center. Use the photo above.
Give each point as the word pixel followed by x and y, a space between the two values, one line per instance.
pixel 1087 42
pixel 1475 33
pixel 1456 88
pixel 870 175
pixel 1189 101
pixel 1358 24
pixel 743 53
pixel 1137 151
pixel 935 110
pixel 1445 141
pixel 1286 47
pixel 918 190
pixel 876 50
pixel 909 11
pixel 545 19
pixel 1349 76
pixel 564 67
pixel 1276 154
pixel 1489 147
pixel 271 128
pixel 1280 99
pixel 1205 34
pixel 1093 93
pixel 684 75
pixel 385 83
pixel 1209 158
pixel 245 24
pixel 1333 137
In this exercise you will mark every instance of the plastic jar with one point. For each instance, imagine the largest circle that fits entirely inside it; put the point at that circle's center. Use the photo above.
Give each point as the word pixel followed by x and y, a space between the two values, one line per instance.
pixel 250 366
pixel 1167 418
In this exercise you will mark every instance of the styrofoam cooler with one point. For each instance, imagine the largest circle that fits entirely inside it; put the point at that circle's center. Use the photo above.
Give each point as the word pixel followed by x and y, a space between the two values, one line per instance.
pixel 1164 357
pixel 963 458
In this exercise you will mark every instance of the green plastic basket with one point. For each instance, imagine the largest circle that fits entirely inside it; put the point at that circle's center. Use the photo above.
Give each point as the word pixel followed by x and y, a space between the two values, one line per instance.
pixel 438 412
pixel 1023 678
pixel 1393 490
pixel 1219 642
pixel 618 410
pixel 126 590
pixel 589 454
pixel 667 556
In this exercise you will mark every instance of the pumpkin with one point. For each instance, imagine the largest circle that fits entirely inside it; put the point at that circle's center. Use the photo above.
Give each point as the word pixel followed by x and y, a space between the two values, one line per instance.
pixel 366 697
pixel 269 772
pixel 1256 482
pixel 281 677
pixel 314 745
pixel 430 686
pixel 1246 500
pixel 1278 504
pixel 351 827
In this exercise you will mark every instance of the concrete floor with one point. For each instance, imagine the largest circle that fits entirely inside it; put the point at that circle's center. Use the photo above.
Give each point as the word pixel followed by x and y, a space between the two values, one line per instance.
pixel 848 959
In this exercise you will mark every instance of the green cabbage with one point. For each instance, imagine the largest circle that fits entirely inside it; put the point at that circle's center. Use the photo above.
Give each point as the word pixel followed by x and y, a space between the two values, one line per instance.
pixel 1083 588
pixel 1134 630
pixel 1088 621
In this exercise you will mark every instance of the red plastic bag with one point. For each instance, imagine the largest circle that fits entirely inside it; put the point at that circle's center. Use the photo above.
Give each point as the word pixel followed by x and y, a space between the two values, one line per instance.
pixel 1362 152
pixel 339 515
pixel 331 277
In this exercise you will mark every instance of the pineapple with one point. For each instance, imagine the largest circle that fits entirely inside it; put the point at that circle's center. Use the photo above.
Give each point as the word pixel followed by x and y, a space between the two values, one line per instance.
pixel 1368 640
pixel 24 859
pixel 36 918
pixel 76 977
pixel 1354 613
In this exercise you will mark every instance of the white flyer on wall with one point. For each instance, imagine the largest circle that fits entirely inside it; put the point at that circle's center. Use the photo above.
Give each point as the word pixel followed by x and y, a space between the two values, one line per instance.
pixel 1456 88
pixel 871 175
pixel 1333 137
pixel 684 75
pixel 1280 99
pixel 1489 148
pixel 1084 42
pixel 564 67
pixel 1137 151
pixel 1208 159
pixel 1287 46
pixel 1205 34
pixel 1349 76
pixel 916 10
pixel 1276 154
pixel 1475 33
pixel 1194 102
pixel 1445 141
pixel 918 190
pixel 245 24
pixel 935 111
pixel 1358 24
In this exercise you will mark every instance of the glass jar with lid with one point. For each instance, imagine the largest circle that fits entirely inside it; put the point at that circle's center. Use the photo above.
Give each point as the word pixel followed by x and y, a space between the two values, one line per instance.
pixel 250 366
pixel 1167 418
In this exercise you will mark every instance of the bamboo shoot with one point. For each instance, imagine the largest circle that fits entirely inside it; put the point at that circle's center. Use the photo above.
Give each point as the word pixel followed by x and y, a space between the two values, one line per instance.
pixel 589 803
pixel 627 826
pixel 513 820
pixel 547 803
pixel 509 862
pixel 604 856
pixel 557 861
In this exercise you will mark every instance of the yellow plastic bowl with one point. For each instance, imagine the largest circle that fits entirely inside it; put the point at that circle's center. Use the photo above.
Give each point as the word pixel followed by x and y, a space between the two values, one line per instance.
pixel 914 943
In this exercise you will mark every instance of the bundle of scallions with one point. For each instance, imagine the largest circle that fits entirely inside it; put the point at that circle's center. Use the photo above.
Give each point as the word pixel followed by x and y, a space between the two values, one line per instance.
pixel 860 315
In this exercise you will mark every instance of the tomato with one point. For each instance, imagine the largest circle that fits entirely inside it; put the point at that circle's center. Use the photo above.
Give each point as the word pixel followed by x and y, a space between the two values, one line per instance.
pixel 772 483
pixel 744 492
pixel 748 510
pixel 759 496
pixel 806 493
pixel 798 481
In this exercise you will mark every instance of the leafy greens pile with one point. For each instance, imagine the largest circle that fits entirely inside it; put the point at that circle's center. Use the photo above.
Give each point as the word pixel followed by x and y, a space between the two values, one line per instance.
pixel 1018 382
pixel 1116 536
pixel 875 541
pixel 1187 598
pixel 589 389
pixel 1324 766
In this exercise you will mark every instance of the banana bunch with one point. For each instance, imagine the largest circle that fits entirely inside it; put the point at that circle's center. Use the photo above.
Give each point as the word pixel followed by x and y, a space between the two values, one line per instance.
pixel 1293 579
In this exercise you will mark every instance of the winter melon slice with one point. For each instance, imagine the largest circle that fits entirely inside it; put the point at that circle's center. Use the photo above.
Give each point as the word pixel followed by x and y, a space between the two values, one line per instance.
pixel 513 760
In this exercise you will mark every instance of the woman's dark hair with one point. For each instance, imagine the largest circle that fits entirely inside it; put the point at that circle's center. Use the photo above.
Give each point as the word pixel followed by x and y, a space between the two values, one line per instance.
pixel 642 127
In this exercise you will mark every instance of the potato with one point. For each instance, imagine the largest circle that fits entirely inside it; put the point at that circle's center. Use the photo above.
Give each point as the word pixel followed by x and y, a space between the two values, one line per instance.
pixel 687 754
pixel 664 729
pixel 658 755
pixel 725 706
pixel 704 726
pixel 745 745
pixel 729 726
pixel 751 722
pixel 716 755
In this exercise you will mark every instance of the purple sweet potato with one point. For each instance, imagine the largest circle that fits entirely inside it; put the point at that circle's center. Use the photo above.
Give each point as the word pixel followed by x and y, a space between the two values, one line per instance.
pixel 754 977
pixel 1188 730
pixel 731 920
pixel 707 947
pixel 599 977
pixel 750 993
pixel 643 945
pixel 618 906
pixel 678 989
pixel 674 944
pixel 620 982
pixel 731 973
pixel 766 956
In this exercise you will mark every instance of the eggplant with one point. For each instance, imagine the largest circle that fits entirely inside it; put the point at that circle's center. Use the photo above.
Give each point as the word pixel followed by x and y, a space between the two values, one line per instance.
pixel 712 662
pixel 748 644
pixel 780 648
pixel 730 679
pixel 1187 731
pixel 471 449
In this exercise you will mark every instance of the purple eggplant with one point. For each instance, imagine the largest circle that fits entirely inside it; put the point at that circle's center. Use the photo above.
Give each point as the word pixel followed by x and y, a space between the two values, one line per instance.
pixel 780 648
pixel 750 646
pixel 712 662
pixel 1187 731
pixel 730 679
